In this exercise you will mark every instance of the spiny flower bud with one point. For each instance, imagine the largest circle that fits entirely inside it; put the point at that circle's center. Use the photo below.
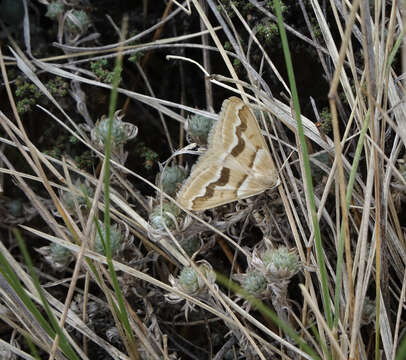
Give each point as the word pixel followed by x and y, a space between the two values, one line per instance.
pixel 168 216
pixel 68 197
pixel 254 283
pixel 121 131
pixel 54 9
pixel 171 178
pixel 116 238
pixel 59 253
pixel 280 263
pixel 77 21
pixel 191 282
pixel 198 129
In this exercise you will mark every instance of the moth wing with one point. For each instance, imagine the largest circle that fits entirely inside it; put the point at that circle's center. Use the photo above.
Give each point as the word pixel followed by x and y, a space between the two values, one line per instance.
pixel 236 165
pixel 237 119
pixel 221 197
pixel 246 145
pixel 206 176
pixel 214 182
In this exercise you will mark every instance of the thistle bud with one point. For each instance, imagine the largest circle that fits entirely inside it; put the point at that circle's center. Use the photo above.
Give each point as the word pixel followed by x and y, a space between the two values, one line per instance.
pixel 169 215
pixel 281 264
pixel 171 178
pixel 190 281
pixel 68 197
pixel 254 283
pixel 54 9
pixel 121 131
pixel 116 238
pixel 77 22
pixel 198 129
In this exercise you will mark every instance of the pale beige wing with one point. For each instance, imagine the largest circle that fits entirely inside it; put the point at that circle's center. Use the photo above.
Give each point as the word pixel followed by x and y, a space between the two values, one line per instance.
pixel 209 185
pixel 236 165
pixel 250 150
pixel 213 185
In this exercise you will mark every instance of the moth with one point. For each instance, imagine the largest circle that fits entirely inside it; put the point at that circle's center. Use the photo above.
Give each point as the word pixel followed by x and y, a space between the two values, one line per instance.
pixel 236 165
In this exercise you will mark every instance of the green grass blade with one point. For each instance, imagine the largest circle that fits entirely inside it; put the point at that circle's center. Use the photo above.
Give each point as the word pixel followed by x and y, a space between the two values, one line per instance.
pixel 395 50
pixel 122 313
pixel 66 348
pixel 309 183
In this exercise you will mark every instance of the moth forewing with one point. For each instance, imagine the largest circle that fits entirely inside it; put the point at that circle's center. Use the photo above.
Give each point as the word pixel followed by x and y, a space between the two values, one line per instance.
pixel 236 165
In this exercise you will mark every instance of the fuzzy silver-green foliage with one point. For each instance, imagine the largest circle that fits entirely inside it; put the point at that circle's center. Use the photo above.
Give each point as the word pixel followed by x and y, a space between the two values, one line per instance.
pixel 54 9
pixel 68 199
pixel 116 238
pixel 189 280
pixel 199 128
pixel 281 262
pixel 78 21
pixel 254 283
pixel 171 178
pixel 157 220
pixel 59 253
pixel 118 132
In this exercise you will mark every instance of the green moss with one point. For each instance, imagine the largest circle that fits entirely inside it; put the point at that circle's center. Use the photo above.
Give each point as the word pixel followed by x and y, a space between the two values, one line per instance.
pixel 57 87
pixel 237 63
pixel 28 94
pixel 85 160
pixel 267 32
pixel 99 68
pixel 271 4
pixel 136 57
pixel 25 105
pixel 316 28
pixel 325 117
pixel 227 46
pixel 149 156
pixel 73 140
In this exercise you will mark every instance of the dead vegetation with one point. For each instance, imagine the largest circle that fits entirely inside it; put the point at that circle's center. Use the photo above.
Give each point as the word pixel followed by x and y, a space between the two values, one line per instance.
pixel 112 267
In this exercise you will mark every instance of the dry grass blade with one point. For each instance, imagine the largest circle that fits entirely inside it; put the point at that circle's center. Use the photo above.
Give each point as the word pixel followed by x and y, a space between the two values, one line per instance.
pixel 332 235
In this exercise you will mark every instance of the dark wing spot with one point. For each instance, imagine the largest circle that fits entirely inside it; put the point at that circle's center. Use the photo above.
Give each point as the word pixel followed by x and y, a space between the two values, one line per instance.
pixel 239 148
pixel 221 181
